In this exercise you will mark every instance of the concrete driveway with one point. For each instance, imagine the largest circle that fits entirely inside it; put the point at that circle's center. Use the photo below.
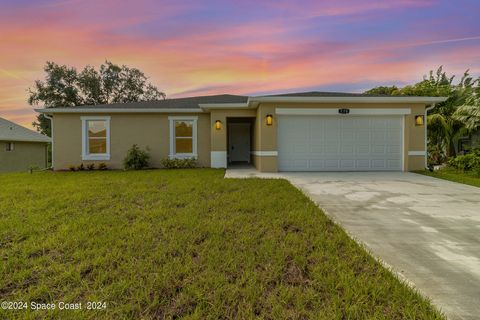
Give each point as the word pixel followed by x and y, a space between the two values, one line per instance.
pixel 426 229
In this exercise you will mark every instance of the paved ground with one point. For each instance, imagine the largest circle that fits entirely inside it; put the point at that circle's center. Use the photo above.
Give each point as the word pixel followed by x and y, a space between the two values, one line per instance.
pixel 426 229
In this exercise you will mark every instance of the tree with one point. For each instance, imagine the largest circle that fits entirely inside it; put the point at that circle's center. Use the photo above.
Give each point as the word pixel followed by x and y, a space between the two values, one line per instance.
pixel 443 132
pixel 469 113
pixel 446 124
pixel 64 86
pixel 383 90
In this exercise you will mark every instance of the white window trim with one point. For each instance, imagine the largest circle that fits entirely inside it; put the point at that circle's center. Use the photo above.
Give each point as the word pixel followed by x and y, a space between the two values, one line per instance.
pixel 11 146
pixel 172 153
pixel 96 156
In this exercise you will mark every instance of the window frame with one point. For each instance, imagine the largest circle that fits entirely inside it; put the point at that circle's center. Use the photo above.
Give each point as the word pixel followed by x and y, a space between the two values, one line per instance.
pixel 173 154
pixel 85 147
pixel 9 146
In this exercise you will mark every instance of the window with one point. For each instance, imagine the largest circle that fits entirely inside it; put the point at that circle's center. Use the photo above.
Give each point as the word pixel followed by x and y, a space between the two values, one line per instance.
pixel 183 137
pixel 9 146
pixel 95 138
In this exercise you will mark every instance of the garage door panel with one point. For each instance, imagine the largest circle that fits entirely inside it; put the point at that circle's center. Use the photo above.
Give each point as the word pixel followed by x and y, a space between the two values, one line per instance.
pixel 379 135
pixel 316 149
pixel 379 149
pixel 394 150
pixel 317 165
pixel 393 163
pixel 340 143
pixel 363 150
pixel 347 149
pixel 379 124
pixel 331 164
pixel 362 136
pixel 348 135
pixel 331 149
pixel 301 148
pixel 362 164
pixel 394 124
pixel 300 163
pixel 347 164
pixel 379 164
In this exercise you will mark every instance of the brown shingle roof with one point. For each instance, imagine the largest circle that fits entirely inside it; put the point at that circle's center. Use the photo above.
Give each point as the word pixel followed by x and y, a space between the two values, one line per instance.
pixel 177 103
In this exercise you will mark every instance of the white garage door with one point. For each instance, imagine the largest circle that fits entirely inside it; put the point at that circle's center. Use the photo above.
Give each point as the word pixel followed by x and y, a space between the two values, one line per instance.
pixel 340 143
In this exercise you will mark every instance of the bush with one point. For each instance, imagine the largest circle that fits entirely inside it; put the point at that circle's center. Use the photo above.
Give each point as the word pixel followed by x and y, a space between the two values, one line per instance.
pixel 435 155
pixel 72 168
pixel 468 162
pixel 90 166
pixel 102 166
pixel 175 163
pixel 81 167
pixel 136 158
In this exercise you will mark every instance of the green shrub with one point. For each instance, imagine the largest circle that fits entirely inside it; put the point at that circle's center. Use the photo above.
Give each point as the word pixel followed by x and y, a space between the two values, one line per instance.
pixel 90 166
pixel 102 166
pixel 468 162
pixel 175 163
pixel 435 155
pixel 81 167
pixel 136 158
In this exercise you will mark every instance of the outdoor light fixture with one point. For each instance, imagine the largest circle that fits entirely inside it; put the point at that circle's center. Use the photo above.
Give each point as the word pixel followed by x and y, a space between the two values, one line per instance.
pixel 269 119
pixel 419 120
pixel 218 124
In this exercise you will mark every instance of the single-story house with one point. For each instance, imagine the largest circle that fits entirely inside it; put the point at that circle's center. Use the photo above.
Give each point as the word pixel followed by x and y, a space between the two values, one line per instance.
pixel 308 131
pixel 21 148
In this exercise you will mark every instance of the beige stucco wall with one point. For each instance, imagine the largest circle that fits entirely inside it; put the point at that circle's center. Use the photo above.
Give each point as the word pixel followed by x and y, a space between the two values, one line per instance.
pixel 150 130
pixel 219 137
pixel 266 139
pixel 24 156
pixel 265 163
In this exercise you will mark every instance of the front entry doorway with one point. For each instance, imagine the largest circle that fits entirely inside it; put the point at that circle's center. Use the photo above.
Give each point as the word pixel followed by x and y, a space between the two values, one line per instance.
pixel 239 141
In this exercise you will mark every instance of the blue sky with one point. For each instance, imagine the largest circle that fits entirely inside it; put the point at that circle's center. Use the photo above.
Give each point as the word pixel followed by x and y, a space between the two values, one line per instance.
pixel 240 47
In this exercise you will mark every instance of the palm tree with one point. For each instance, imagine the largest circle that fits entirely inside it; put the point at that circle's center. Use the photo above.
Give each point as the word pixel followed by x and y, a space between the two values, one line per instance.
pixel 469 113
pixel 443 131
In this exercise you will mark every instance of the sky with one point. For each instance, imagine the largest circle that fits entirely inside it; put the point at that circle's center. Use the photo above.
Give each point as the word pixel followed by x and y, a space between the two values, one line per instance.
pixel 201 47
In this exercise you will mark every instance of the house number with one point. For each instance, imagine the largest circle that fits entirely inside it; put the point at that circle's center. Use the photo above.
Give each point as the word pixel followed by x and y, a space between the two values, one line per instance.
pixel 344 111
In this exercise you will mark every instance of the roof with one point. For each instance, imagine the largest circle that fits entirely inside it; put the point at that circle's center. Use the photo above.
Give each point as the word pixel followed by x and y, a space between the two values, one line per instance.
pixel 177 103
pixel 326 94
pixel 10 131
pixel 228 101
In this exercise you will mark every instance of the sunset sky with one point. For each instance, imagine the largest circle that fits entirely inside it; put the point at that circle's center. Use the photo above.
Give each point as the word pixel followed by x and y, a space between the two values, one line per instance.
pixel 241 47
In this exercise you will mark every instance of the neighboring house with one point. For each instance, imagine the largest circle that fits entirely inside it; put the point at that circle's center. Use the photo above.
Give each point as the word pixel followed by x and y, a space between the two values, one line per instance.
pixel 310 131
pixel 466 143
pixel 21 148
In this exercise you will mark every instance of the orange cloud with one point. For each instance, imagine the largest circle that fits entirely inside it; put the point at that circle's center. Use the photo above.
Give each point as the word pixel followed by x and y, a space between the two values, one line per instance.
pixel 259 55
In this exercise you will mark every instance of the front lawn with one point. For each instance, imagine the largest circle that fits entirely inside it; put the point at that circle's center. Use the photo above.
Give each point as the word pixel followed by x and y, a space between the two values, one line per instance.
pixel 187 243
pixel 469 178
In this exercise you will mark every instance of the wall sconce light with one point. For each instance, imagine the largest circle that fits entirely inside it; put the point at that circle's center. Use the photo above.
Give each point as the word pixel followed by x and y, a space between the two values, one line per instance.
pixel 419 120
pixel 218 124
pixel 269 119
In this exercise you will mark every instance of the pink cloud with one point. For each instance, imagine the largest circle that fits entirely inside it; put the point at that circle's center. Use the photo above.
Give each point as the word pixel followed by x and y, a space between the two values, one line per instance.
pixel 261 55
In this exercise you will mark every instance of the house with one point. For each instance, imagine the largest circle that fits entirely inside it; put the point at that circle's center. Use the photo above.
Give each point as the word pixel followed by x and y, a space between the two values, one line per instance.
pixel 21 148
pixel 466 143
pixel 308 131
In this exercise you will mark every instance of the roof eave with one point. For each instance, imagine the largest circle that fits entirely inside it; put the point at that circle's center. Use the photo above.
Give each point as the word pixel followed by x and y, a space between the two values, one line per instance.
pixel 47 140
pixel 118 110
pixel 393 99
pixel 231 106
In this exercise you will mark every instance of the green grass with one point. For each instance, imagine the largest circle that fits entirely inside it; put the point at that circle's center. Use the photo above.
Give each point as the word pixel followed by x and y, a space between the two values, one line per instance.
pixel 187 243
pixel 469 178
